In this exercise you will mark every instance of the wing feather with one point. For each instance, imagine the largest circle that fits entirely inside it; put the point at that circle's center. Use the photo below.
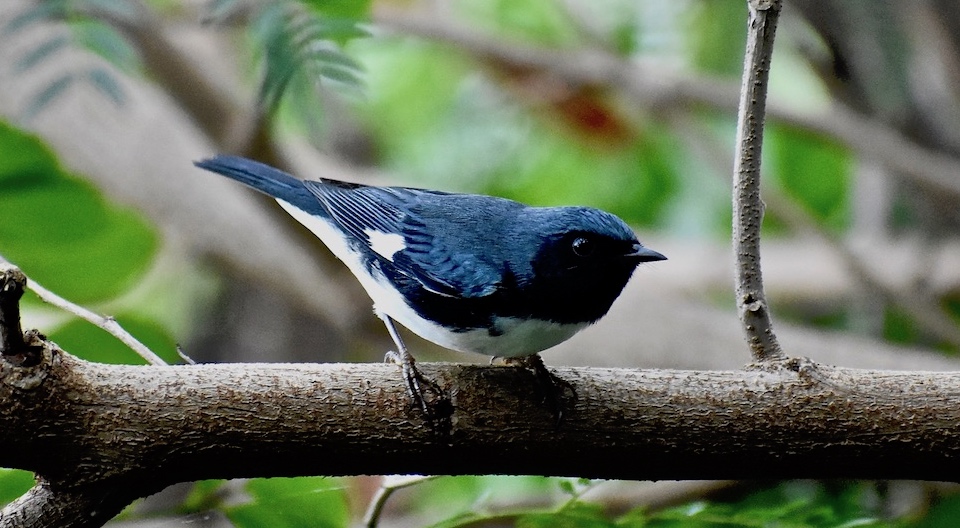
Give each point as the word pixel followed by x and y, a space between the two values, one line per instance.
pixel 441 264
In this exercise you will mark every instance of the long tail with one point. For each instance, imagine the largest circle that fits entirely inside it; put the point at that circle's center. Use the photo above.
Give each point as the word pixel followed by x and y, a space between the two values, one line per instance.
pixel 264 178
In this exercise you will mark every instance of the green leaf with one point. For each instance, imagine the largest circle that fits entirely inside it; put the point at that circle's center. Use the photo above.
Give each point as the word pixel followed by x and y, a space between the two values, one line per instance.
pixel 573 515
pixel 813 170
pixel 50 92
pixel 300 47
pixel 40 53
pixel 107 42
pixel 943 513
pixel 205 495
pixel 353 9
pixel 14 483
pixel 342 75
pixel 40 12
pixel 305 502
pixel 61 231
pixel 456 498
pixel 107 84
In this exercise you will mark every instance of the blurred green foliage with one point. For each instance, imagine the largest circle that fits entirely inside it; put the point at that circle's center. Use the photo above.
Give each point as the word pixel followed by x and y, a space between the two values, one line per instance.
pixel 300 43
pixel 13 483
pixel 85 20
pixel 813 171
pixel 292 503
pixel 64 234
pixel 61 231
pixel 441 126
pixel 717 37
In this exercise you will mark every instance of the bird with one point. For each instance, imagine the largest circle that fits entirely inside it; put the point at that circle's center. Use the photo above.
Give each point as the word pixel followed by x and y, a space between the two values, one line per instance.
pixel 469 272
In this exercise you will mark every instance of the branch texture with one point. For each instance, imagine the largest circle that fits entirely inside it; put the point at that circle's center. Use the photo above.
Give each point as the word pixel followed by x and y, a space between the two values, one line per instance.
pixel 107 434
pixel 747 206
pixel 12 284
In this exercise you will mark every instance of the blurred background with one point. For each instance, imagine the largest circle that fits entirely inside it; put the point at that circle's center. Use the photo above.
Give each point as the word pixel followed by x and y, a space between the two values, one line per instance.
pixel 624 105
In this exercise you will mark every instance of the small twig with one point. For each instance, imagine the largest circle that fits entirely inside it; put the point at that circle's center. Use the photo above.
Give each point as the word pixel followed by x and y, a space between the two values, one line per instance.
pixel 183 355
pixel 107 323
pixel 747 206
pixel 390 484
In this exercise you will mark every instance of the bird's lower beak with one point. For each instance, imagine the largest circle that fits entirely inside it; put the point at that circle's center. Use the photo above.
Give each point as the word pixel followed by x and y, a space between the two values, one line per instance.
pixel 643 254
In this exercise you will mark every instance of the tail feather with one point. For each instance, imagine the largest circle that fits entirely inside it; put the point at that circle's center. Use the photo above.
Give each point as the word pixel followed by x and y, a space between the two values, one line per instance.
pixel 264 178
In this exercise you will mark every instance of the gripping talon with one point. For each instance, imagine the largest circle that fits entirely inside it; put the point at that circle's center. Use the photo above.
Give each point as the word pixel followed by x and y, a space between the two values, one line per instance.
pixel 425 393
pixel 553 387
pixel 415 381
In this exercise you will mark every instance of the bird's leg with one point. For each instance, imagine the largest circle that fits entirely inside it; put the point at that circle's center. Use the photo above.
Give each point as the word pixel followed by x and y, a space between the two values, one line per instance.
pixel 553 387
pixel 418 387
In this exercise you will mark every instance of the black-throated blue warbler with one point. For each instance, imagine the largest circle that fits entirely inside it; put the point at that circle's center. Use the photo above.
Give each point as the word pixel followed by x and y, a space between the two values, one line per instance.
pixel 467 272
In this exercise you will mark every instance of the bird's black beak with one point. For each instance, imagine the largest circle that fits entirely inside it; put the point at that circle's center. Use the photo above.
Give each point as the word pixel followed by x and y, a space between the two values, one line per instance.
pixel 643 254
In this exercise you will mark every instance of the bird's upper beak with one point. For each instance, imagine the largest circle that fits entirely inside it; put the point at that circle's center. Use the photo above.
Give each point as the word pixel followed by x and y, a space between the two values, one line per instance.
pixel 643 254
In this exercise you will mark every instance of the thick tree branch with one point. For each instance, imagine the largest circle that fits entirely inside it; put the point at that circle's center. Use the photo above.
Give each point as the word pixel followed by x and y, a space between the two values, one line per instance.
pixel 747 206
pixel 136 429
pixel 99 436
pixel 85 507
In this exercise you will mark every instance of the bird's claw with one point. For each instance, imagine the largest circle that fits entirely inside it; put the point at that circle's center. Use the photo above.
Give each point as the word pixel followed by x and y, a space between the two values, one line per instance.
pixel 424 392
pixel 554 388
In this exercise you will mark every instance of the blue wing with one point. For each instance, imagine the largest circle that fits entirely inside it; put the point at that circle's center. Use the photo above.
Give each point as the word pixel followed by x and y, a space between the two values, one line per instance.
pixel 432 251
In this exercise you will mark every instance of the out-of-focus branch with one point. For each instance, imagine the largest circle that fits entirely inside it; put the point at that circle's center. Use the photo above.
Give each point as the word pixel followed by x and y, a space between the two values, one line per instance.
pixel 747 206
pixel 211 108
pixel 924 310
pixel 657 88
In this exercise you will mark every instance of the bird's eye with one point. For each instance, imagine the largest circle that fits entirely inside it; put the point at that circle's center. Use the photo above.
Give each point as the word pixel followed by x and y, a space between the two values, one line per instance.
pixel 583 247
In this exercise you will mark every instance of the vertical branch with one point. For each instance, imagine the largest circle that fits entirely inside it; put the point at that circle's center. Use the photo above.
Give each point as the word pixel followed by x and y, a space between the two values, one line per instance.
pixel 12 284
pixel 747 206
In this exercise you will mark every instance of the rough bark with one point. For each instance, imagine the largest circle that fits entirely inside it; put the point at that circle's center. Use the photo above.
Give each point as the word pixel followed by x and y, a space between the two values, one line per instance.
pixel 747 206
pixel 144 427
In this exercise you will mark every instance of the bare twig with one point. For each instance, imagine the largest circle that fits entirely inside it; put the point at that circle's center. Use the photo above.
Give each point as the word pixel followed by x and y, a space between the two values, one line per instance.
pixel 747 206
pixel 107 323
pixel 390 484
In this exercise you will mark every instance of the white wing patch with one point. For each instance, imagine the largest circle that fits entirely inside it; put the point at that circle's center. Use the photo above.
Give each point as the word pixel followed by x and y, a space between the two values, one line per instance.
pixel 385 244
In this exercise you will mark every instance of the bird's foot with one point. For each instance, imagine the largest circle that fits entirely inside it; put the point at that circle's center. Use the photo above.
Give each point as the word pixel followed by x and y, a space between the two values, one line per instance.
pixel 554 388
pixel 424 392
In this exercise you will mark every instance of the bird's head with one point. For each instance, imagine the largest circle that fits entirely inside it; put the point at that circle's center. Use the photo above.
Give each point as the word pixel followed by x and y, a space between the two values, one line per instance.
pixel 583 259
